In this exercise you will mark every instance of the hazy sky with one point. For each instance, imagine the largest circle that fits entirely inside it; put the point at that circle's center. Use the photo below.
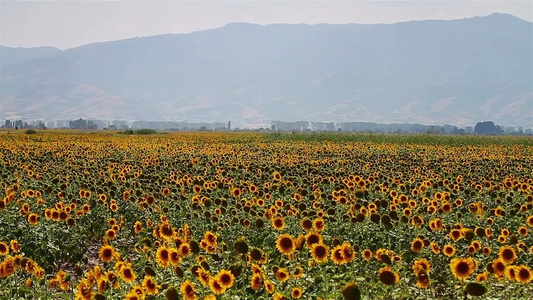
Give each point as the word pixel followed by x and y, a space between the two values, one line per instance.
pixel 67 24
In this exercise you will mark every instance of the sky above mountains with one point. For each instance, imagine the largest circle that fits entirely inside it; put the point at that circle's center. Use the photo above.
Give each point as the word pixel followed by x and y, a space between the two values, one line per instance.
pixel 68 24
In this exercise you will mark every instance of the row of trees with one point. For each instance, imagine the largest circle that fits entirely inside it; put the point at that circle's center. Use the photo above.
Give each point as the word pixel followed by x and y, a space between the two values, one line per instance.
pixel 19 124
pixel 481 128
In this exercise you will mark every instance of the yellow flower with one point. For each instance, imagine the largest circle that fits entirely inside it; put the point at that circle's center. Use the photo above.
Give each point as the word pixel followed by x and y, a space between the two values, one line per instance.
pixel 462 268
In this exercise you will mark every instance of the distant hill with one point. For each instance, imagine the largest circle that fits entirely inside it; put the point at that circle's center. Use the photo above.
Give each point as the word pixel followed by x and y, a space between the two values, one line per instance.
pixel 431 72
pixel 9 55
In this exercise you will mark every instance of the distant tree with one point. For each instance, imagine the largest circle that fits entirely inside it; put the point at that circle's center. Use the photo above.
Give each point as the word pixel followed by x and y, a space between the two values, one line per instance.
pixel 487 128
pixel 511 130
pixel 458 131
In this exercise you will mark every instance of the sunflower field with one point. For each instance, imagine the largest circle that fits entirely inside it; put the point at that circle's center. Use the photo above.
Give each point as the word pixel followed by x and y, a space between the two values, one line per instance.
pixel 265 216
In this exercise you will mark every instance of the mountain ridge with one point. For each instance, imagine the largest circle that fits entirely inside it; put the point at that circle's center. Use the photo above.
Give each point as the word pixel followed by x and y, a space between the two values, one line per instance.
pixel 439 72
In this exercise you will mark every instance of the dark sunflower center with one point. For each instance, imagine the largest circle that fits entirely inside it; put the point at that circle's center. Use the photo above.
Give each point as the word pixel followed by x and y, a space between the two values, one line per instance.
pixel 462 268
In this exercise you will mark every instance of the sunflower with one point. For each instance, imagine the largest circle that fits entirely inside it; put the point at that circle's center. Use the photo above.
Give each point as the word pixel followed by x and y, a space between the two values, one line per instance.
pixel 347 252
pixel 524 274
pixel 110 234
pixel 387 276
pixel 298 273
pixel 210 238
pixel 417 245
pixel 83 290
pixel 367 254
pixel 8 267
pixel 319 252
pixel 15 246
pixel 185 250
pixel 278 223
pixel 511 272
pixel 523 231
pixel 236 192
pixel 282 274
pixel 530 221
pixel 296 293
pixel 107 253
pixel 505 232
pixel 435 248
pixel 462 268
pixel 384 255
pixel 319 224
pixel 166 231
pixel 285 244
pixel 276 175
pixel 422 280
pixel 270 287
pixel 351 291
pixel 256 283
pixel 421 264
pixel 299 242
pixel 174 256
pixel 150 286
pixel 4 248
pixel 507 254
pixel 203 276
pixel 475 289
pixel 456 234
pixel 449 250
pixel 225 278
pixel 187 290
pixel 337 255
pixel 216 287
pixel 483 277
pixel 136 293
pixel 163 256
pixel 498 267
pixel 476 245
pixel 33 218
pixel 127 274
pixel 312 238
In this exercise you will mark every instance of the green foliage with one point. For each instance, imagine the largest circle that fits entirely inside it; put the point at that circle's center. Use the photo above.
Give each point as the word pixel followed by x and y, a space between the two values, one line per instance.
pixel 138 131
pixel 420 139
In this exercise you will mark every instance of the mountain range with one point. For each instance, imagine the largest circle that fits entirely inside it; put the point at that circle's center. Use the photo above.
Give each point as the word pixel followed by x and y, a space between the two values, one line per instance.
pixel 430 72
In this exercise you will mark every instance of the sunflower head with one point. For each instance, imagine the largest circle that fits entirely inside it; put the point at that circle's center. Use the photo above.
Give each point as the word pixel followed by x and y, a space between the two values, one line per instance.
pixel 285 244
pixel 476 289
pixel 387 276
pixel 507 254
pixel 462 268
pixel 351 291
pixel 524 274
pixel 107 253
pixel 225 278
pixel 417 245
pixel 319 252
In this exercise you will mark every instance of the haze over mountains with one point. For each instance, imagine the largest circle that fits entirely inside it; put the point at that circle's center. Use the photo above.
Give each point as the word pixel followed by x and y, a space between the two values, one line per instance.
pixel 431 72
